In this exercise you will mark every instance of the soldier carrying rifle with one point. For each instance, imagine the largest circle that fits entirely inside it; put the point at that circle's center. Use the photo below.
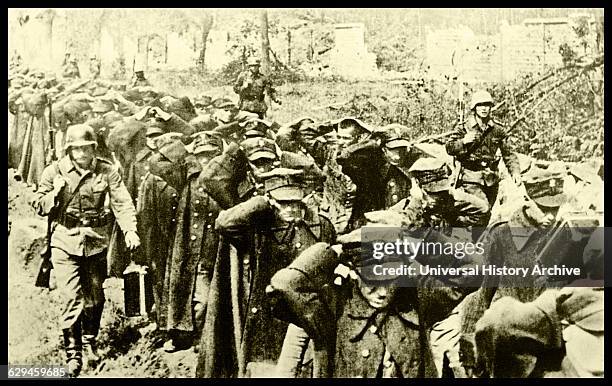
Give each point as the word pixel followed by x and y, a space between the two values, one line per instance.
pixel 73 192
pixel 474 143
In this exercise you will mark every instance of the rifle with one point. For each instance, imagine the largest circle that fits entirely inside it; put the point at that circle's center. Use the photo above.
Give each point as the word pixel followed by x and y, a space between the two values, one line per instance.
pixel 53 156
pixel 45 267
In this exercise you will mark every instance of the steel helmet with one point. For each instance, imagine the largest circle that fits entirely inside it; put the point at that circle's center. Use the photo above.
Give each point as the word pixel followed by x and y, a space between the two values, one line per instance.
pixel 253 61
pixel 481 97
pixel 80 135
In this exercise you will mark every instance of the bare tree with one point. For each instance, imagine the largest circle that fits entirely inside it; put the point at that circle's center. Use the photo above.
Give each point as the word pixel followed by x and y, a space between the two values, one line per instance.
pixel 207 22
pixel 47 18
pixel 265 42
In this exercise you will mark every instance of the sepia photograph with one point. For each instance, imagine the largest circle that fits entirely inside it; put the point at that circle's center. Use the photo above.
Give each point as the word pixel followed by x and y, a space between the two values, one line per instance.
pixel 305 193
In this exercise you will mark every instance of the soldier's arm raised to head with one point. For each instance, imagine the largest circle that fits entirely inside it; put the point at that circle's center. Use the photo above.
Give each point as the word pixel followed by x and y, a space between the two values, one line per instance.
pixel 121 202
pixel 46 196
pixel 455 145
pixel 255 212
pixel 238 85
pixel 297 296
pixel 178 125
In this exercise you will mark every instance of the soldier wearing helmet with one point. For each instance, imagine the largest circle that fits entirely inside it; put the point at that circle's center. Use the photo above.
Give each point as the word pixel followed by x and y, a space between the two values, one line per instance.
pixel 73 192
pixel 70 68
pixel 252 86
pixel 94 66
pixel 474 143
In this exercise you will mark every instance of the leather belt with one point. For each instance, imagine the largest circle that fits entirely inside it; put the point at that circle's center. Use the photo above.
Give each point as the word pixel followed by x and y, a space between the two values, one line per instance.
pixel 94 221
pixel 480 165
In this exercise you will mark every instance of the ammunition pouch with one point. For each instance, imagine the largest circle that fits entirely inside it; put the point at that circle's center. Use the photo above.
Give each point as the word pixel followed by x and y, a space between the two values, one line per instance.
pixel 88 220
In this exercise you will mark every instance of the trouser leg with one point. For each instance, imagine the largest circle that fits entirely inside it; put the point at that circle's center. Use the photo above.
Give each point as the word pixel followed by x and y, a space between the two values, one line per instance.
pixel 69 289
pixel 473 207
pixel 94 274
pixel 200 299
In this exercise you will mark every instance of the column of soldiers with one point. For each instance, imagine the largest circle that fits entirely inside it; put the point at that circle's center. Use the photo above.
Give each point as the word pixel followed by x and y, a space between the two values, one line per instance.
pixel 251 231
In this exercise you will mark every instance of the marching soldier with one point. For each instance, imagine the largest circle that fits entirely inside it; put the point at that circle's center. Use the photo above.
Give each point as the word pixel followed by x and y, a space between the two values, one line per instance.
pixel 565 329
pixel 474 143
pixel 139 78
pixel 195 248
pixel 520 238
pixel 362 324
pixel 73 191
pixel 252 87
pixel 269 229
pixel 94 66
pixel 71 68
pixel 394 172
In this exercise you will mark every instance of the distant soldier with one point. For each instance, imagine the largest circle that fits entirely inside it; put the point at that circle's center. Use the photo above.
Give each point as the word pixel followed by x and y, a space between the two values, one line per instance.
pixel 252 86
pixel 71 68
pixel 139 78
pixel 474 143
pixel 74 191
pixel 94 66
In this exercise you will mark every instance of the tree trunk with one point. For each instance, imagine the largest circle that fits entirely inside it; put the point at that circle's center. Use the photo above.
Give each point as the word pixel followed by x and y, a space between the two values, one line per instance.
pixel 47 40
pixel 289 48
pixel 265 43
pixel 206 26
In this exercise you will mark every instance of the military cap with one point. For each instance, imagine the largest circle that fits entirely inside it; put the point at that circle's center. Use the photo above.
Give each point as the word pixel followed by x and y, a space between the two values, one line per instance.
pixel 259 147
pixel 253 61
pixel 256 127
pixel 182 107
pixel 220 103
pixel 389 271
pixel 348 122
pixel 364 261
pixel 284 184
pixel 102 106
pixel 206 141
pixel 112 117
pixel 148 92
pixel 99 91
pixel 132 95
pixel 73 59
pixel 545 187
pixel 393 135
pixel 202 101
pixel 432 173
pixel 226 105
pixel 298 122
pixel 93 56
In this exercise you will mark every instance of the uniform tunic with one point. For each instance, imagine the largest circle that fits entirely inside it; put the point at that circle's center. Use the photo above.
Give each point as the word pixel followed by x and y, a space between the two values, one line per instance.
pixel 78 253
pixel 252 98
